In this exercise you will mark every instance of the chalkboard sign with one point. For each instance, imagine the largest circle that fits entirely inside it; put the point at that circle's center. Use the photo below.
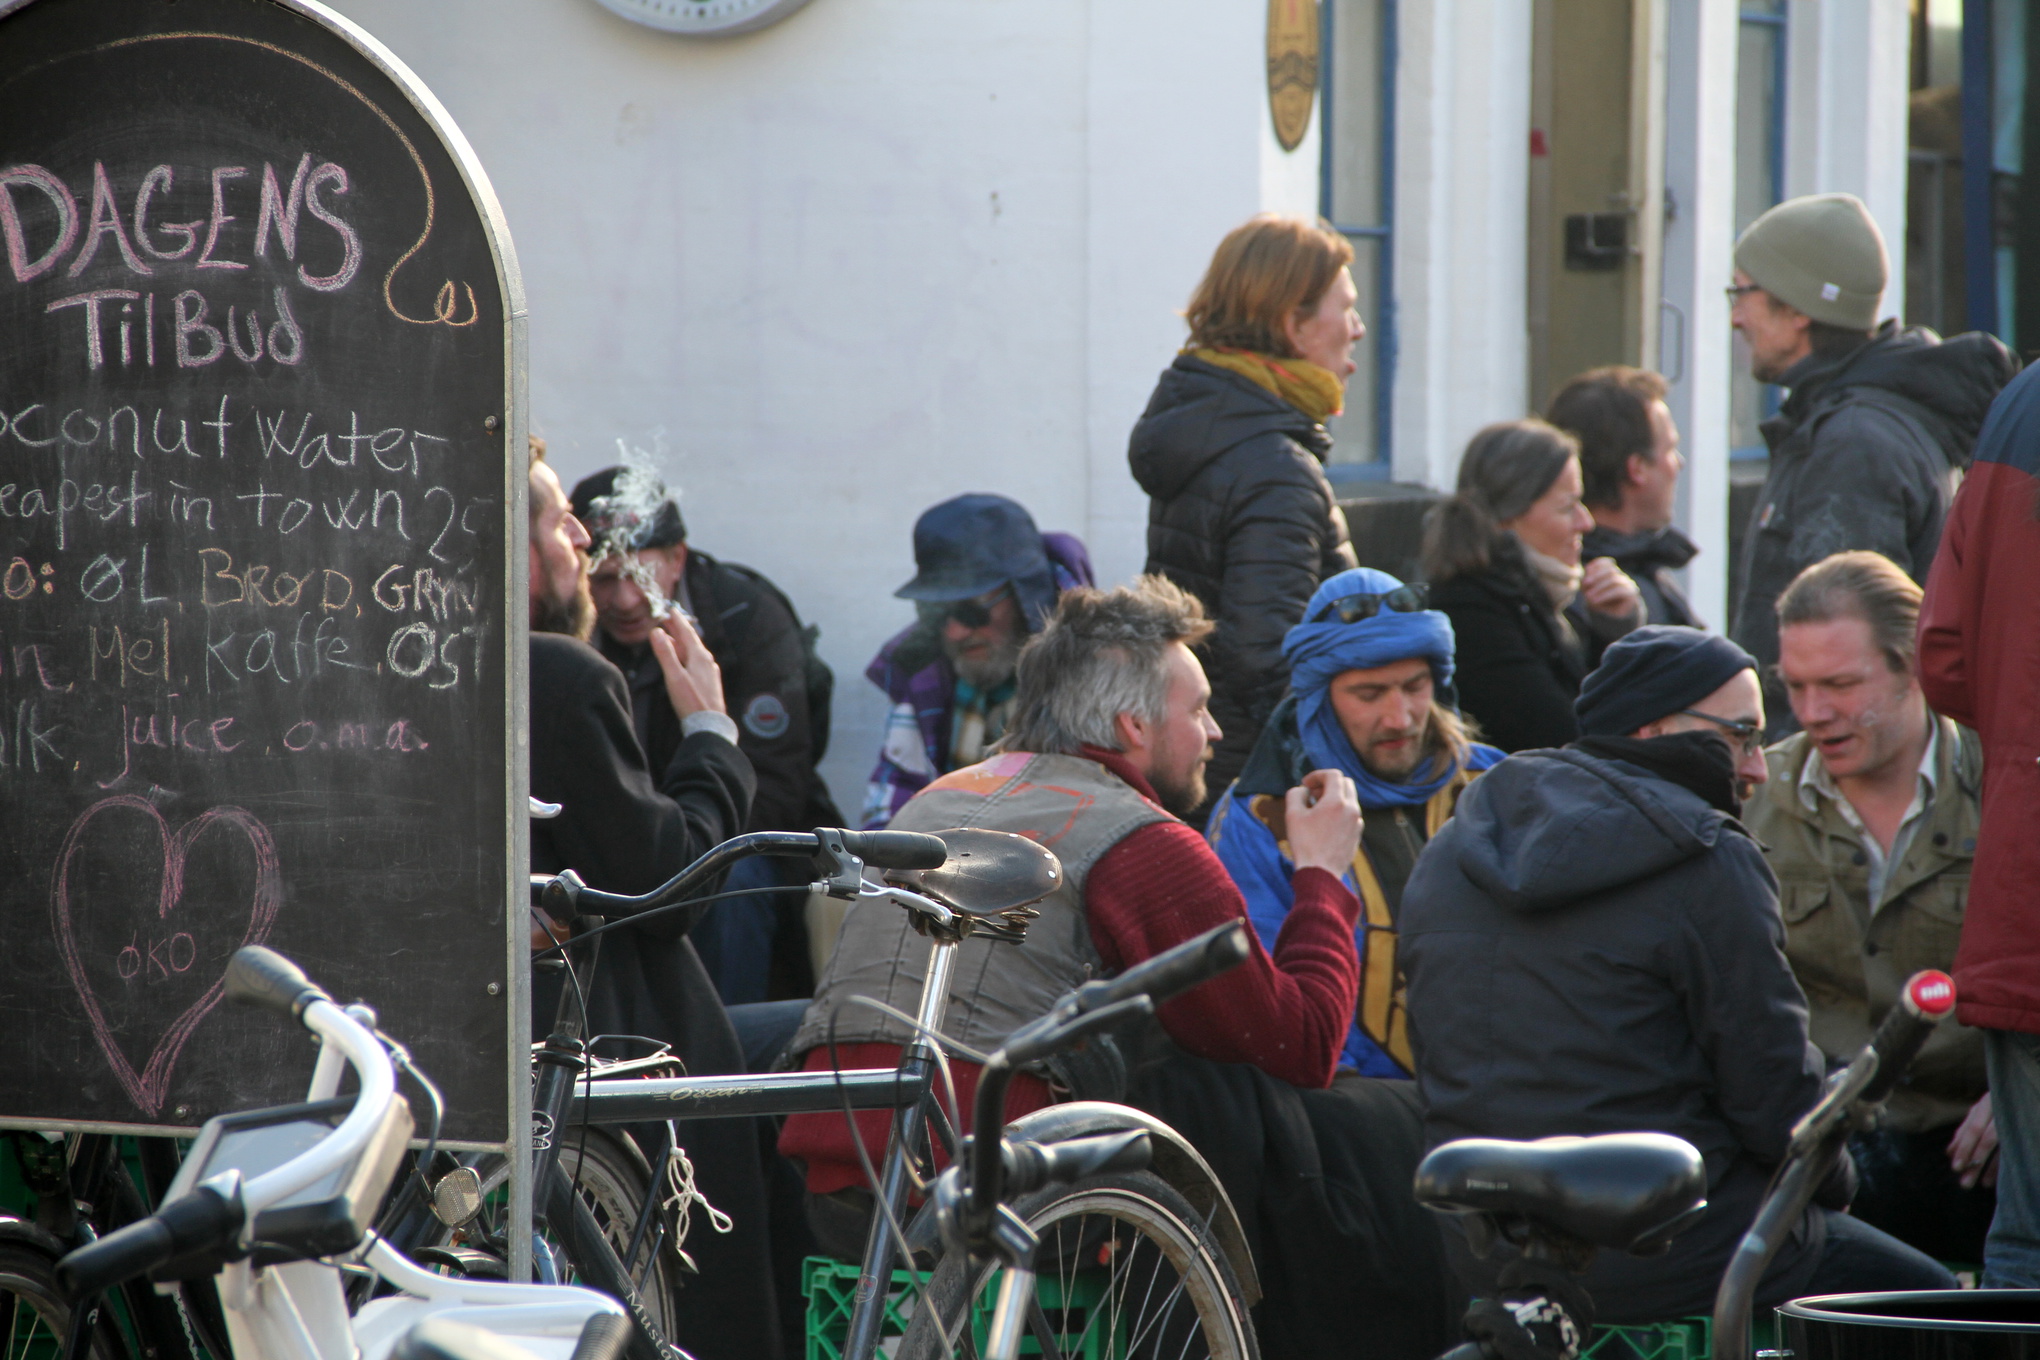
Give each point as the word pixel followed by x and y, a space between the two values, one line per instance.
pixel 261 474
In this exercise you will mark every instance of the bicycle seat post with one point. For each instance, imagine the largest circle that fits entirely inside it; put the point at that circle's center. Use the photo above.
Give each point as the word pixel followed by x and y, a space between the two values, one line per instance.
pixel 905 1145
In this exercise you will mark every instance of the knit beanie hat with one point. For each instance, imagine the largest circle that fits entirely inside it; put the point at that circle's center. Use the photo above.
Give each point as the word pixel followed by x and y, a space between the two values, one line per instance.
pixel 1653 673
pixel 1821 254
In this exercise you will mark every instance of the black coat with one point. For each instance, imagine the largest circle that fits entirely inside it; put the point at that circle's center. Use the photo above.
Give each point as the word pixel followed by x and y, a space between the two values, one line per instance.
pixel 1860 458
pixel 1649 559
pixel 747 624
pixel 1517 670
pixel 623 831
pixel 1592 949
pixel 1241 516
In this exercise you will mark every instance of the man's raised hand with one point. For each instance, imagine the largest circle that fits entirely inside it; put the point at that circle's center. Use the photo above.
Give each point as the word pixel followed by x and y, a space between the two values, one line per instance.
pixel 693 680
pixel 1323 819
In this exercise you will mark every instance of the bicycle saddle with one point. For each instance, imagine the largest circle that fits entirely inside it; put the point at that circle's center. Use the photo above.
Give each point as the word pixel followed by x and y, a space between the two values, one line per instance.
pixel 1633 1191
pixel 988 874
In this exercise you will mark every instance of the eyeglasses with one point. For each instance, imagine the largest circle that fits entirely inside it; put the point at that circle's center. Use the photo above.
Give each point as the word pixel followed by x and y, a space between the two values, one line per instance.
pixel 1354 608
pixel 1735 291
pixel 972 613
pixel 1749 736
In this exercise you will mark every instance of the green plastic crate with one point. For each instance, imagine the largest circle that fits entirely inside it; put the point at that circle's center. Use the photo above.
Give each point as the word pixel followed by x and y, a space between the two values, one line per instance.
pixel 1679 1339
pixel 1687 1338
pixel 831 1289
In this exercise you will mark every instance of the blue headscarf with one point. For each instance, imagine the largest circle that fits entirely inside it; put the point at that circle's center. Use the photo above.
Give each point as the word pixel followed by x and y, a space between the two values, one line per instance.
pixel 1322 650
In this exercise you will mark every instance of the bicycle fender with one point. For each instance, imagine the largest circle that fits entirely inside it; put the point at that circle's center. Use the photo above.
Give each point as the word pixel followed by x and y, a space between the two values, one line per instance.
pixel 27 1234
pixel 1175 1161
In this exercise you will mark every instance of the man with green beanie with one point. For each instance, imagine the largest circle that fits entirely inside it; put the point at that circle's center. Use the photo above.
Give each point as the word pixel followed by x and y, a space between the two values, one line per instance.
pixel 1876 420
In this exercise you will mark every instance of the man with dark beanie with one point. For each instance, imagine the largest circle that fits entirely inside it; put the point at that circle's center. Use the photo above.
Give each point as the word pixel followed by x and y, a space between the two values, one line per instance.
pixel 1877 420
pixel 1593 945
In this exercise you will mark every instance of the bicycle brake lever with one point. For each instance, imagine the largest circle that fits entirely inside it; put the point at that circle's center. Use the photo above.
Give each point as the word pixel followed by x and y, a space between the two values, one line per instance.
pixel 842 873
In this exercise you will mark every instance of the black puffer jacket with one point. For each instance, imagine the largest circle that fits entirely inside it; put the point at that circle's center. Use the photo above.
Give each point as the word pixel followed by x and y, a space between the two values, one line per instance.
pixel 1242 517
pixel 1860 458
pixel 1593 948
pixel 1518 667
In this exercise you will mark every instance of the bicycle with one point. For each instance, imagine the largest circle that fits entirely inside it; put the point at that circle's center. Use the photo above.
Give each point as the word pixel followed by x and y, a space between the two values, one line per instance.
pixel 1560 1200
pixel 956 885
pixel 276 1203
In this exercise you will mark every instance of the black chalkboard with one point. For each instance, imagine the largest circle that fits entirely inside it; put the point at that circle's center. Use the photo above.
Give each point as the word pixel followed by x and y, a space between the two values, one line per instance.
pixel 259 511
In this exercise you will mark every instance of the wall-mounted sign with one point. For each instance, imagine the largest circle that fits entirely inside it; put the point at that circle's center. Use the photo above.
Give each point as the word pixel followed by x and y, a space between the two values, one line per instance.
pixel 705 18
pixel 1292 67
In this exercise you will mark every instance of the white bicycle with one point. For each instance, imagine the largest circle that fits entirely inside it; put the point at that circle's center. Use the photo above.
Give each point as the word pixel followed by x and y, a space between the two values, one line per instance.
pixel 275 1202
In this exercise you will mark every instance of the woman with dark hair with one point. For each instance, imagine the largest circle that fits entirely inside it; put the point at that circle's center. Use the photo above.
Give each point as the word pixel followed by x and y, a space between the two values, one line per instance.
pixel 1502 555
pixel 1231 452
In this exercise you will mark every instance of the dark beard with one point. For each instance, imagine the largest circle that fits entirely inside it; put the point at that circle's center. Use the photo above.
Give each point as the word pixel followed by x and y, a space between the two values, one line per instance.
pixel 1184 798
pixel 1768 373
pixel 1424 759
pixel 574 617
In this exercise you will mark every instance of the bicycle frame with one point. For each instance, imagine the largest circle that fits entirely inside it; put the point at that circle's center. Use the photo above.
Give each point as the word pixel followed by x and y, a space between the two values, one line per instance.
pixel 564 1097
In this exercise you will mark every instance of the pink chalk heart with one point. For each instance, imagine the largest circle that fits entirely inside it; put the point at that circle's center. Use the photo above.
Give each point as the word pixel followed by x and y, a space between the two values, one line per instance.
pixel 149 1087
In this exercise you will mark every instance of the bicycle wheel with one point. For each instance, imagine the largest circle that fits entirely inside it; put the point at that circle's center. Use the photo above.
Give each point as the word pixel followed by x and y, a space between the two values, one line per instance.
pixel 1125 1269
pixel 34 1315
pixel 614 1178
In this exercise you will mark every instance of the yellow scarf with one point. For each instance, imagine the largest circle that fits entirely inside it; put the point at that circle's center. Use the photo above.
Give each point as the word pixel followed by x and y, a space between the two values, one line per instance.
pixel 1306 386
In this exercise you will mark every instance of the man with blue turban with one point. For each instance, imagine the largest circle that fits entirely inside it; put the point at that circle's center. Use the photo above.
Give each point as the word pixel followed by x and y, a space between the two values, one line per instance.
pixel 1367 665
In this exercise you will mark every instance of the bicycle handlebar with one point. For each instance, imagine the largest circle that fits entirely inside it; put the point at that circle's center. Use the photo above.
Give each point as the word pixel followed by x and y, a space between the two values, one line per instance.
pixel 1029 1165
pixel 203 1220
pixel 880 849
pixel 1817 1139
pixel 1195 961
pixel 263 977
pixel 896 849
pixel 1928 996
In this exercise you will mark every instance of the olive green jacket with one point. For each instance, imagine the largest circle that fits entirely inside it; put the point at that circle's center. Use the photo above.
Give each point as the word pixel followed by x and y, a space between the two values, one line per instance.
pixel 1852 962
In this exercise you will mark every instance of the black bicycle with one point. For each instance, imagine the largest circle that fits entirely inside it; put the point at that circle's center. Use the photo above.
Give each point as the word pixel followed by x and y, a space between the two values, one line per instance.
pixel 1558 1201
pixel 1143 1197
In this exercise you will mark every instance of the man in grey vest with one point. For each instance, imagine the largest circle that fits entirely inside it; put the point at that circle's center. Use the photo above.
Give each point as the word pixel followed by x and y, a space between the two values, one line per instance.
pixel 1107 744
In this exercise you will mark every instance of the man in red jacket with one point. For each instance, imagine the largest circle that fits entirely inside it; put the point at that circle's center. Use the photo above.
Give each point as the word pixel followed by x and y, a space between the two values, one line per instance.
pixel 1106 747
pixel 1979 651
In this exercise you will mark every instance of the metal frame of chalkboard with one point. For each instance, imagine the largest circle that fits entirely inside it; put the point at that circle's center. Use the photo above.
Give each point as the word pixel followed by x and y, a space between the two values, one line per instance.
pixel 516 707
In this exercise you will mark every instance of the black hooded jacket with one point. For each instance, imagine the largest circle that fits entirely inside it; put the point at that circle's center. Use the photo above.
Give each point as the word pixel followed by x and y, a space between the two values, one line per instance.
pixel 1591 948
pixel 1241 516
pixel 1861 454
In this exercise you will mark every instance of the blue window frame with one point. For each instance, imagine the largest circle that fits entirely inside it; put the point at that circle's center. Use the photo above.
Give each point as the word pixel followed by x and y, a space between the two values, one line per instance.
pixel 1759 185
pixel 1356 193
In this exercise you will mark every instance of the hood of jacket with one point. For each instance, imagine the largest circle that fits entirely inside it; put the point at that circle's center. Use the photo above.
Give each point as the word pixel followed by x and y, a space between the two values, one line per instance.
pixel 1545 828
pixel 1953 381
pixel 1200 412
pixel 1650 548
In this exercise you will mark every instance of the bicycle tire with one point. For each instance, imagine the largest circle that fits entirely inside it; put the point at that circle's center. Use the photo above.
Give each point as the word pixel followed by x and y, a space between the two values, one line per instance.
pixel 35 1315
pixel 614 1178
pixel 1122 1252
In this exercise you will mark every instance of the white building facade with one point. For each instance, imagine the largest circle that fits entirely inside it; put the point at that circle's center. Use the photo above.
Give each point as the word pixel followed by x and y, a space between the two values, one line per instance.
pixel 839 268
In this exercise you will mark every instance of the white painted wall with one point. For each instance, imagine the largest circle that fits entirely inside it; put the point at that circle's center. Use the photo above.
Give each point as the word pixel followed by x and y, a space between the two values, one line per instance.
pixel 1846 111
pixel 1695 351
pixel 1461 218
pixel 842 268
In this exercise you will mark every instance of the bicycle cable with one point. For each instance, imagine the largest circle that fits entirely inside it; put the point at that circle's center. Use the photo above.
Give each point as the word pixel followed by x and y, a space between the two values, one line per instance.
pixel 941 1043
pixel 620 922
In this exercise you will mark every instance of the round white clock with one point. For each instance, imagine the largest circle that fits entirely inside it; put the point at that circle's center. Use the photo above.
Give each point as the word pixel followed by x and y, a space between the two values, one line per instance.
pixel 704 18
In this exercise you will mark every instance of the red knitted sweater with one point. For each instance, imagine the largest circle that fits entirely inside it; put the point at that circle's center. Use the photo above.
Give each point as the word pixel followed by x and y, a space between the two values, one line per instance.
pixel 1287 1015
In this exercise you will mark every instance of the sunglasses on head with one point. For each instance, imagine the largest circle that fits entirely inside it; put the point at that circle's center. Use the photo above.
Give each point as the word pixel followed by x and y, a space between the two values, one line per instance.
pixel 1354 608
